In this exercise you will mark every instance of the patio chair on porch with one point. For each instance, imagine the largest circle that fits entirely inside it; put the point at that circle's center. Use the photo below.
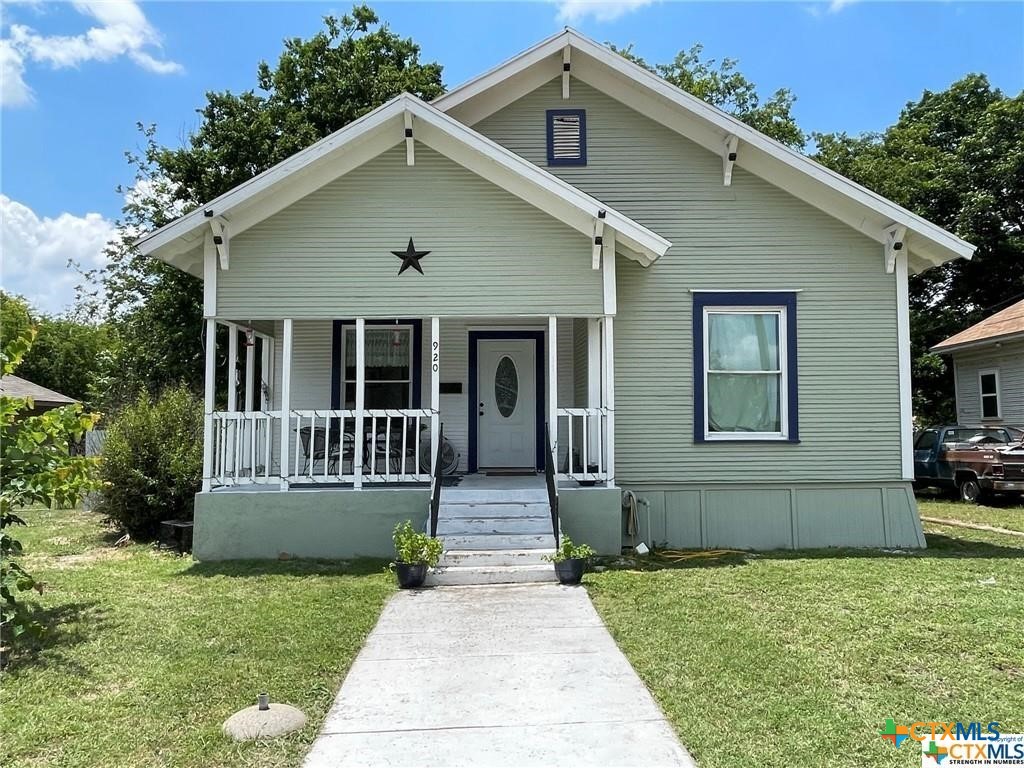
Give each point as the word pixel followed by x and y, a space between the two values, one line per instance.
pixel 315 448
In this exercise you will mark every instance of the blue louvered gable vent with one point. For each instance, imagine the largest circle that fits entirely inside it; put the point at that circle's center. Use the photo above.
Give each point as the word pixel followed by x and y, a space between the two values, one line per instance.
pixel 567 136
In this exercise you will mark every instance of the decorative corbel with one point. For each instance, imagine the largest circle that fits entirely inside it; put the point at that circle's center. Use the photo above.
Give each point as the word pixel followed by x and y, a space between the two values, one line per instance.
pixel 895 235
pixel 410 152
pixel 566 66
pixel 732 143
pixel 220 240
pixel 595 262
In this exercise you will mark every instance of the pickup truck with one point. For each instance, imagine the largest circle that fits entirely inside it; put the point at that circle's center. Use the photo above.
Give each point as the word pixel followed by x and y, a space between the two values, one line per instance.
pixel 975 461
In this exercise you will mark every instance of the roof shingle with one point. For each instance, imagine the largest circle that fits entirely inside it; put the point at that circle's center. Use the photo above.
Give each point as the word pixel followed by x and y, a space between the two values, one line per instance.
pixel 1007 322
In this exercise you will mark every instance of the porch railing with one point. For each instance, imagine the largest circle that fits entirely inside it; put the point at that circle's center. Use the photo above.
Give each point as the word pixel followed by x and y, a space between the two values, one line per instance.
pixel 586 434
pixel 393 447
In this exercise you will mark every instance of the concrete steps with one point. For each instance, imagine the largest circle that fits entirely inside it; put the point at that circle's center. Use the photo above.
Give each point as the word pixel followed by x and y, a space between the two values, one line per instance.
pixel 467 575
pixel 495 557
pixel 499 541
pixel 473 526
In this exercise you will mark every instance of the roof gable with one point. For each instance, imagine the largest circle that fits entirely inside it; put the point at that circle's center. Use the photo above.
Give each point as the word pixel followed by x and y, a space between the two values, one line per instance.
pixel 885 222
pixel 1002 326
pixel 180 242
pixel 15 386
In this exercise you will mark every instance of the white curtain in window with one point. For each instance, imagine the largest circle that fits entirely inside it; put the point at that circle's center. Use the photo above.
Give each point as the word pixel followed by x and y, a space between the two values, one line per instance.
pixel 384 347
pixel 744 374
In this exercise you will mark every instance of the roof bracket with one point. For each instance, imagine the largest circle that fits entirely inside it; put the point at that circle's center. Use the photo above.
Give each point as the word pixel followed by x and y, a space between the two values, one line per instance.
pixel 410 152
pixel 595 261
pixel 566 66
pixel 895 235
pixel 732 143
pixel 220 239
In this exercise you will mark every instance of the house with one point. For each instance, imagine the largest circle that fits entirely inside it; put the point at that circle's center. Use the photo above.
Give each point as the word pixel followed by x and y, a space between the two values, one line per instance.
pixel 43 399
pixel 988 369
pixel 565 245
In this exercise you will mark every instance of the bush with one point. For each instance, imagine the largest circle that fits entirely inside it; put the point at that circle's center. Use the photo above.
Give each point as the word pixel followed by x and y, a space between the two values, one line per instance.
pixel 153 461
pixel 414 547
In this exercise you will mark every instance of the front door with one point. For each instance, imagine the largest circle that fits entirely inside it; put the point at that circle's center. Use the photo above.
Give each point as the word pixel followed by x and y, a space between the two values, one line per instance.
pixel 507 403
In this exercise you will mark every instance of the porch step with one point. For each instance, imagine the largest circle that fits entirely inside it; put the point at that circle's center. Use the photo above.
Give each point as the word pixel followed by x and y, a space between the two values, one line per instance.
pixel 467 526
pixel 449 510
pixel 494 496
pixel 495 557
pixel 502 541
pixel 460 575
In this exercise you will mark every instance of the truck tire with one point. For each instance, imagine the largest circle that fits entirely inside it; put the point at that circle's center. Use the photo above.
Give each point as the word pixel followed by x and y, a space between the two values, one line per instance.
pixel 970 490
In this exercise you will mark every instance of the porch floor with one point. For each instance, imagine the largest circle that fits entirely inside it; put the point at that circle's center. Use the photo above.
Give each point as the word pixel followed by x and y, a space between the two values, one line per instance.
pixel 479 481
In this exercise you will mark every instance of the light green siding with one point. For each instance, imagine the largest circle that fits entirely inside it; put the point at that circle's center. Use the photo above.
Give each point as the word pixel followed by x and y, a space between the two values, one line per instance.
pixel 329 254
pixel 750 235
pixel 1008 360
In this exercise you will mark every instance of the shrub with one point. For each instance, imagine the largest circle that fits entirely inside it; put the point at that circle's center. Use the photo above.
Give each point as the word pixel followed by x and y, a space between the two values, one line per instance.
pixel 413 547
pixel 153 461
pixel 570 551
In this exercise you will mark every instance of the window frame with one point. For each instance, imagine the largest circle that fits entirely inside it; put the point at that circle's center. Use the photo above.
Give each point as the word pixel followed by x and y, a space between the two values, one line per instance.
pixel 549 119
pixel 994 373
pixel 338 378
pixel 783 305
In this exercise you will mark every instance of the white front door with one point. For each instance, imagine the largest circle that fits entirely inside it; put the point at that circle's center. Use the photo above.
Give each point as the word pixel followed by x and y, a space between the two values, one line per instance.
pixel 507 403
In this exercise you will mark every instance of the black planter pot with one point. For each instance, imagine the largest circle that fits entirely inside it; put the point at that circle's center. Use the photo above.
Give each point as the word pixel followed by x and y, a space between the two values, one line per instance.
pixel 411 575
pixel 570 571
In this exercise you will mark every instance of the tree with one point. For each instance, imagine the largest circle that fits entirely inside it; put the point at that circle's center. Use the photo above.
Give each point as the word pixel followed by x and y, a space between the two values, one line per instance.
pixel 728 89
pixel 38 468
pixel 955 157
pixel 318 85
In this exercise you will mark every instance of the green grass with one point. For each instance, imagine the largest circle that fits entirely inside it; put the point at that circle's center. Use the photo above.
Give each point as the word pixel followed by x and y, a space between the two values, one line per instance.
pixel 999 513
pixel 147 653
pixel 797 658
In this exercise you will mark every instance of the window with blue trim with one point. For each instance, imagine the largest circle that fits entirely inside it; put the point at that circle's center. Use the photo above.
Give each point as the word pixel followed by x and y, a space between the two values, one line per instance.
pixel 567 136
pixel 745 366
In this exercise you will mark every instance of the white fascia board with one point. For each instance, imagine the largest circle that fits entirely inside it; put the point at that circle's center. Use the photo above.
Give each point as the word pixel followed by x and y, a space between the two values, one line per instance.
pixel 932 245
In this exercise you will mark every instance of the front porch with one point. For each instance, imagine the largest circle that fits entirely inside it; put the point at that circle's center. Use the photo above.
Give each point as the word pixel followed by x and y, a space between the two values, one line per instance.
pixel 360 403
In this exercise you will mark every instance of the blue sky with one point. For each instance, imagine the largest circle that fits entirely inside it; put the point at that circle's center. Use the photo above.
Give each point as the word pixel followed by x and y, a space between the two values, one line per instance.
pixel 78 77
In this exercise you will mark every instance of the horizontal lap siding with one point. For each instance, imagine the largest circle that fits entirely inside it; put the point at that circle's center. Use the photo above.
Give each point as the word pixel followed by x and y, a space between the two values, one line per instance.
pixel 329 254
pixel 747 236
pixel 1008 359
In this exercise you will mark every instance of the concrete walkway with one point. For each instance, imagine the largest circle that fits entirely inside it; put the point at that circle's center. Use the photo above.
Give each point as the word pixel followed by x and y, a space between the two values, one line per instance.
pixel 494 676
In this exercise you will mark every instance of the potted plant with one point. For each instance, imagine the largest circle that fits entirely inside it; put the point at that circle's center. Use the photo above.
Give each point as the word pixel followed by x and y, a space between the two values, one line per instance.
pixel 415 551
pixel 570 560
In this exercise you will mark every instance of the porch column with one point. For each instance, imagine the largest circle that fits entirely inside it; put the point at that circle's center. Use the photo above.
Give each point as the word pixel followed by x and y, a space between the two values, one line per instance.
pixel 594 380
pixel 286 402
pixel 357 460
pixel 250 372
pixel 435 390
pixel 553 386
pixel 233 434
pixel 608 376
pixel 210 382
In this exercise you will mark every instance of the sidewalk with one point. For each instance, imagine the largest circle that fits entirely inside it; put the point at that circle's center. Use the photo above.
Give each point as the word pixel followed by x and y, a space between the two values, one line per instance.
pixel 493 676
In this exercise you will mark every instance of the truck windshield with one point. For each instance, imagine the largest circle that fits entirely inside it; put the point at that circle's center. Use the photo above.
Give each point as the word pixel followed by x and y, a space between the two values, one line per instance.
pixel 975 436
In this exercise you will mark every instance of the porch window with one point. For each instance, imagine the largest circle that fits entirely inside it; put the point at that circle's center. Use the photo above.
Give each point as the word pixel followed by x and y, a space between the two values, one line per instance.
pixel 745 372
pixel 988 386
pixel 389 366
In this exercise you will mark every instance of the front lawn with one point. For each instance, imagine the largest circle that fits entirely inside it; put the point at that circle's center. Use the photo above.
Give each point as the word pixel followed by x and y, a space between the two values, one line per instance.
pixel 797 658
pixel 148 653
pixel 999 513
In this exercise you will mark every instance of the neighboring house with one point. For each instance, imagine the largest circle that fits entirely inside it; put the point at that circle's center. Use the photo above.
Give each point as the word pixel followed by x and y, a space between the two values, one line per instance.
pixel 701 315
pixel 988 369
pixel 43 399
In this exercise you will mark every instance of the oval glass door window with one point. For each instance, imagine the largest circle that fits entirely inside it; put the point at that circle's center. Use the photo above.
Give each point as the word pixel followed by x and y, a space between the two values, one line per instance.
pixel 506 386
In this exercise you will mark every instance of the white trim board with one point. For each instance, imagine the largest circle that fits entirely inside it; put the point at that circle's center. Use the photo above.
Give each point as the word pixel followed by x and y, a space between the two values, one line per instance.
pixel 708 126
pixel 366 138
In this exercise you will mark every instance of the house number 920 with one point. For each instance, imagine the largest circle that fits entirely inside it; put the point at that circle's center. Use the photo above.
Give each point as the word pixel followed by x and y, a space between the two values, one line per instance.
pixel 435 361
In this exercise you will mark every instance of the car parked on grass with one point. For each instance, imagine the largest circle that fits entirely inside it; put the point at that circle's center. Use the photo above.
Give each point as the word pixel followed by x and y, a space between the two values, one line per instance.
pixel 974 461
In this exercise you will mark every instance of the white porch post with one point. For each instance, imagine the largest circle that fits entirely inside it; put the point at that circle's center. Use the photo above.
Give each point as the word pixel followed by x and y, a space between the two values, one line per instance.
pixel 233 434
pixel 553 386
pixel 608 375
pixel 360 400
pixel 286 406
pixel 209 392
pixel 594 381
pixel 250 373
pixel 266 371
pixel 435 390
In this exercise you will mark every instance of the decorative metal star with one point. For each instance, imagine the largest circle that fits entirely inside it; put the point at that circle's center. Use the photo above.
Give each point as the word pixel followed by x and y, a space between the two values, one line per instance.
pixel 410 258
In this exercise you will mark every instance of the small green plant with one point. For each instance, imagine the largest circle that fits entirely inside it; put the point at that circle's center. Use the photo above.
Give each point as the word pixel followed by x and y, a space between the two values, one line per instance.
pixel 414 547
pixel 570 551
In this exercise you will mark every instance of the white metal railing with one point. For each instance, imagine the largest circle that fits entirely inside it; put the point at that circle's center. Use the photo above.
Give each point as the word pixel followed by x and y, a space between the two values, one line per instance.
pixel 585 431
pixel 243 447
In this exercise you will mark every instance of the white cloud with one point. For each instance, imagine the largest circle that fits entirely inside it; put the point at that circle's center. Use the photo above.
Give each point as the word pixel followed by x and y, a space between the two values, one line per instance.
pixel 36 251
pixel 832 6
pixel 574 11
pixel 123 30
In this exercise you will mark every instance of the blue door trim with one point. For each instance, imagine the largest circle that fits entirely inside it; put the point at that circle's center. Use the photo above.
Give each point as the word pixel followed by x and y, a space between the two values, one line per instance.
pixel 417 357
pixel 474 337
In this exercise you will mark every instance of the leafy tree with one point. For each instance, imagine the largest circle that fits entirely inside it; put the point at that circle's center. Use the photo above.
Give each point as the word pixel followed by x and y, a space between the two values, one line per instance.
pixel 37 468
pixel 318 85
pixel 955 157
pixel 725 87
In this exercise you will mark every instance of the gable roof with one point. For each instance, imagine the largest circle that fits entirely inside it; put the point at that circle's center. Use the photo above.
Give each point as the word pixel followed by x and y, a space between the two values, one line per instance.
pixel 1002 326
pixel 15 386
pixel 928 244
pixel 361 141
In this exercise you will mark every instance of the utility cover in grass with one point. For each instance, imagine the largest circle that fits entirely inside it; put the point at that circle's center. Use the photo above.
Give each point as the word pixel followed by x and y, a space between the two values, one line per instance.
pixel 255 723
